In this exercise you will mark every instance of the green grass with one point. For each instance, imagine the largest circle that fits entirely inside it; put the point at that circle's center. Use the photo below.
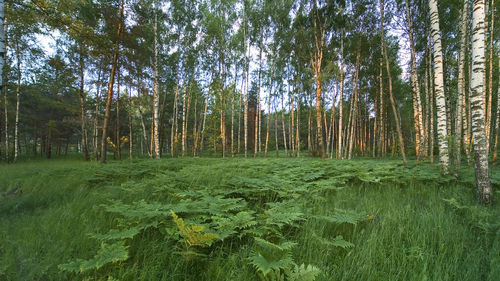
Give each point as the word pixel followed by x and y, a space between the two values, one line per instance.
pixel 425 227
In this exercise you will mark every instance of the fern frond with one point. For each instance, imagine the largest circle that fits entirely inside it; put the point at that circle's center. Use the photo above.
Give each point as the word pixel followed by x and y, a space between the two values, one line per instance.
pixel 109 253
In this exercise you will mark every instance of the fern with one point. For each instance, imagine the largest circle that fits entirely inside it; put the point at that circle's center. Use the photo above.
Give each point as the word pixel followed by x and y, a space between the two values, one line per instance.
pixel 335 242
pixel 269 257
pixel 109 253
pixel 115 234
pixel 192 235
pixel 303 273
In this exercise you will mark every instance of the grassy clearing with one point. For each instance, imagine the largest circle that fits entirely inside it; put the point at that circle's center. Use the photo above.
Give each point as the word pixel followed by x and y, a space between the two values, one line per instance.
pixel 406 223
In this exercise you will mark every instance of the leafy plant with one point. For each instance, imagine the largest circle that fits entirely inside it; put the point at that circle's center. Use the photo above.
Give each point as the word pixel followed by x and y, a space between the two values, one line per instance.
pixel 109 253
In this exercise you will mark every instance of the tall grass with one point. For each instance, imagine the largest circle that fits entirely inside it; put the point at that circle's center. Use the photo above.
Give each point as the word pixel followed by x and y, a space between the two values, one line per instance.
pixel 414 230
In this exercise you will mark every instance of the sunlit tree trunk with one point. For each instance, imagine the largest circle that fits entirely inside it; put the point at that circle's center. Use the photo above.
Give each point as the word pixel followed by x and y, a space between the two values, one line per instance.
pixel 110 87
pixel 484 190
pixel 173 130
pixel 83 116
pixel 156 99
pixel 391 97
pixel 489 115
pixel 417 104
pixel 18 90
pixel 497 124
pixel 355 105
pixel 461 86
pixel 203 124
pixel 283 125
pixel 341 99
pixel 439 89
pixel 257 109
pixel 118 148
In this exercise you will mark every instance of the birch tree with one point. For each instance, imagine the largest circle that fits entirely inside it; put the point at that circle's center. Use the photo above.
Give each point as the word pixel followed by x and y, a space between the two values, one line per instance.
pixel 484 190
pixel 461 86
pixel 439 88
pixel 156 100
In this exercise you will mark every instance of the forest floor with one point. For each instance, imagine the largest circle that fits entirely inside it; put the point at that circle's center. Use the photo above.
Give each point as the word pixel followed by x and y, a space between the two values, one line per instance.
pixel 245 219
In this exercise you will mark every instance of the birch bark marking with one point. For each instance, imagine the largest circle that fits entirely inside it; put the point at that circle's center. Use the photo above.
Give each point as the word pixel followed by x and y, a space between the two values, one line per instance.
pixel 461 87
pixel 439 89
pixel 156 100
pixel 484 191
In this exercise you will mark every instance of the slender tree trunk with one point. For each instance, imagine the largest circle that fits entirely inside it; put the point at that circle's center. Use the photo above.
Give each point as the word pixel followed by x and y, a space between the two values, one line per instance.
pixel 18 89
pixel 239 110
pixel 461 87
pixel 417 104
pixel 203 125
pixel 276 129
pixel 283 125
pixel 355 89
pixel 83 116
pixel 497 124
pixel 3 72
pixel 341 100
pixel 381 113
pixel 117 151
pixel 110 87
pixel 183 137
pixel 195 127
pixel 130 131
pixel 484 190
pixel 232 111
pixel 489 115
pixel 35 137
pixel 439 89
pixel 245 114
pixel 268 113
pixel 156 99
pixel 391 97
pixel 173 131
pixel 257 112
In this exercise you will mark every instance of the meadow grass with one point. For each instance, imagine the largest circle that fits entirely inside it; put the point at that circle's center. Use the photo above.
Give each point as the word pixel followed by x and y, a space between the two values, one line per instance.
pixel 419 226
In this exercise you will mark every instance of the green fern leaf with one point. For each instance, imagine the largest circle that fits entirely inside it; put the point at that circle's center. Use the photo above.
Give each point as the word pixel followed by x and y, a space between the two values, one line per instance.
pixel 109 253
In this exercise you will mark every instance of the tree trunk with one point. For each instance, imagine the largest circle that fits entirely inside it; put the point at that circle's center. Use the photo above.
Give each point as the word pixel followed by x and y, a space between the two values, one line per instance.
pixel 110 88
pixel 497 124
pixel 355 103
pixel 3 72
pixel 439 89
pixel 490 80
pixel 391 97
pixel 130 131
pixel 417 104
pixel 484 190
pixel 83 117
pixel 461 86
pixel 341 100
pixel 18 89
pixel 156 99
pixel 173 131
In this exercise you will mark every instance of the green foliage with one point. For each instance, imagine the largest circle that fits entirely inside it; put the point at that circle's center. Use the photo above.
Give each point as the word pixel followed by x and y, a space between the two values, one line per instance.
pixel 62 218
pixel 303 273
pixel 270 259
pixel 109 253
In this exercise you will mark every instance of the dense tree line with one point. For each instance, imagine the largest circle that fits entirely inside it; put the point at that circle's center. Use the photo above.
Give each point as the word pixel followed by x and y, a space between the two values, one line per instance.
pixel 330 78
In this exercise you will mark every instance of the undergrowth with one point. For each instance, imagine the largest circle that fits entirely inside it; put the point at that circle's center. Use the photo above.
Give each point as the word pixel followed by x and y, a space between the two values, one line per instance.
pixel 245 219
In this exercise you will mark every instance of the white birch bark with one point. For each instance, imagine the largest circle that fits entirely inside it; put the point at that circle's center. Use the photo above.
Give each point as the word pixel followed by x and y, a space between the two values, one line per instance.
pixel 484 190
pixel 461 86
pixel 156 100
pixel 439 88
